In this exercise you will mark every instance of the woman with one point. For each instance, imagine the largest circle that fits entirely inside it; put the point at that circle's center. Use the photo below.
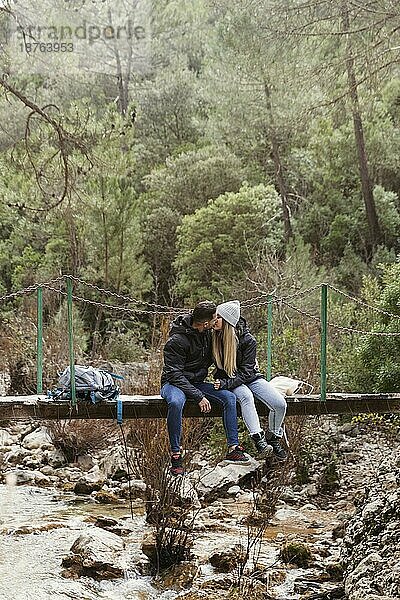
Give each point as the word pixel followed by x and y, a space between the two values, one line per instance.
pixel 234 350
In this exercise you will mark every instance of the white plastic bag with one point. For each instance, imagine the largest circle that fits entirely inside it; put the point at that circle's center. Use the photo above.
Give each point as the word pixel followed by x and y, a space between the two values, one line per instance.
pixel 288 386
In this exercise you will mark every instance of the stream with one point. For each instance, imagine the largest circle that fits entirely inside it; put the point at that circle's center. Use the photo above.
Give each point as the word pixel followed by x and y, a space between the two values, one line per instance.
pixel 38 527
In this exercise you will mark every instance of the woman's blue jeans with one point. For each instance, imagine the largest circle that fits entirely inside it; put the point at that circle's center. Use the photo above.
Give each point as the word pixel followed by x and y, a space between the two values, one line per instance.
pixel 176 400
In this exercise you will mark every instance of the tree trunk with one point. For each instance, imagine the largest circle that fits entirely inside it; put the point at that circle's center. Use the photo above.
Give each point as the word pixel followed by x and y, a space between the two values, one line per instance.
pixel 366 186
pixel 278 167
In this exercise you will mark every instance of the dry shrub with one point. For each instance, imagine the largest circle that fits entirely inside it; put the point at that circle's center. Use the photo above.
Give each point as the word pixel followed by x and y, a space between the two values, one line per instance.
pixel 171 516
pixel 78 437
pixel 267 485
pixel 155 359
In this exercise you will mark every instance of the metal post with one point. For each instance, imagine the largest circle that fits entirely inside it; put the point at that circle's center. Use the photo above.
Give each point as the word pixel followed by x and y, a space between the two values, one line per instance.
pixel 71 341
pixel 39 342
pixel 269 338
pixel 324 329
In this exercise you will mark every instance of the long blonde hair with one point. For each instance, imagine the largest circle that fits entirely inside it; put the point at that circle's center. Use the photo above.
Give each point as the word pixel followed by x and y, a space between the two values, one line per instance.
pixel 224 347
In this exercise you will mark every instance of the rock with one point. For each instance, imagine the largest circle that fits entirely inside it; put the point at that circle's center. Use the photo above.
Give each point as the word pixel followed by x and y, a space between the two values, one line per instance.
pixel 346 447
pixel 181 576
pixel 105 497
pixel 312 490
pixel 95 554
pixel 137 489
pixel 85 488
pixel 234 490
pixel 149 546
pixel 47 470
pixel 55 458
pixel 114 466
pixel 30 462
pixel 338 531
pixel 351 457
pixel 226 561
pixel 39 438
pixel 109 524
pixel 309 507
pixel 211 481
pixel 335 571
pixel 68 474
pixel 16 455
pixel 371 544
pixel 94 475
pixel 5 438
pixel 22 477
pixel 85 462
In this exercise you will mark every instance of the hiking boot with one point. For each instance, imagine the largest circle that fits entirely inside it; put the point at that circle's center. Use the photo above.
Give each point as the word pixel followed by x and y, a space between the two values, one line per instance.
pixel 261 444
pixel 176 464
pixel 275 441
pixel 237 456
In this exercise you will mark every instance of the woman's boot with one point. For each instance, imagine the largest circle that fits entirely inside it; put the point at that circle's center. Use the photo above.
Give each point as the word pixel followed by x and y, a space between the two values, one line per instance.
pixel 263 448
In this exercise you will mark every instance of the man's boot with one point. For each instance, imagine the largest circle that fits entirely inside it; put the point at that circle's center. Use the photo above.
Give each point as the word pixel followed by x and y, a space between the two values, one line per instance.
pixel 263 448
pixel 275 441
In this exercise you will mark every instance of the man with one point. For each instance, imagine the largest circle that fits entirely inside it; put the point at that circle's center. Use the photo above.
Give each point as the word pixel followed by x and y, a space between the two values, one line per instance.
pixel 187 357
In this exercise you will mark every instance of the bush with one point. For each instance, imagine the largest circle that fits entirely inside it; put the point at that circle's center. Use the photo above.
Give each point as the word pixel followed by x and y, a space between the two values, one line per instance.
pixel 296 553
pixel 76 438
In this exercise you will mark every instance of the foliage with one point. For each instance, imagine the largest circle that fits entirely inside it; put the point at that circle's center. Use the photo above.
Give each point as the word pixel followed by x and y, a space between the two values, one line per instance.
pixel 378 355
pixel 296 553
pixel 388 425
pixel 155 204
pixel 219 242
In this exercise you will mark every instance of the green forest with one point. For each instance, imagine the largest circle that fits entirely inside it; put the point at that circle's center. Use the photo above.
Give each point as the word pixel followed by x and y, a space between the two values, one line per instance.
pixel 253 149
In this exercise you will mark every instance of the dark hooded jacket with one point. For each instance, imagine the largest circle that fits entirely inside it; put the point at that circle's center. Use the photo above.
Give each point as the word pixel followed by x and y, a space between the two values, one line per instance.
pixel 246 364
pixel 187 357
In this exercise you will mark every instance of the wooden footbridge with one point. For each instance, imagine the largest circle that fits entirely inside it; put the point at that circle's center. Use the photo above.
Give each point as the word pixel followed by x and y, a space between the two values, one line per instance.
pixel 154 407
pixel 38 406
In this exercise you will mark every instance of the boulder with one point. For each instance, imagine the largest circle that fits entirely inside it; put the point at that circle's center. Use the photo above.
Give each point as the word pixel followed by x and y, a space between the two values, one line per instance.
pixel 136 487
pixel 16 455
pixel 212 481
pixel 113 465
pixel 371 543
pixel 226 561
pixel 6 439
pixel 181 576
pixel 95 554
pixel 21 477
pixel 85 462
pixel 55 458
pixel 85 488
pixel 39 438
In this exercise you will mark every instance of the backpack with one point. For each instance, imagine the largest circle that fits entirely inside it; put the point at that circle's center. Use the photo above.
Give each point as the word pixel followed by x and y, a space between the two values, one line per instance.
pixel 90 384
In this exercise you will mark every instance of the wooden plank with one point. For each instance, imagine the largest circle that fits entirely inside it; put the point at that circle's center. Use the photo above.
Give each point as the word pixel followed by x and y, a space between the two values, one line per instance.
pixel 151 407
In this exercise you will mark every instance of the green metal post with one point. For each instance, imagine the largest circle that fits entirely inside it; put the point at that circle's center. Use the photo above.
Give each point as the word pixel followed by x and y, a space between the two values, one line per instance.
pixel 269 338
pixel 39 342
pixel 324 330
pixel 71 341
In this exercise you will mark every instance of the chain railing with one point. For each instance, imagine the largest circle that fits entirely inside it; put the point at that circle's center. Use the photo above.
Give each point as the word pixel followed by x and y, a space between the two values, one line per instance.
pixel 151 308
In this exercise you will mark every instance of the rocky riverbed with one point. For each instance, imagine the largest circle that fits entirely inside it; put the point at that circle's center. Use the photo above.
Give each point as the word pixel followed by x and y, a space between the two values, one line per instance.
pixel 67 529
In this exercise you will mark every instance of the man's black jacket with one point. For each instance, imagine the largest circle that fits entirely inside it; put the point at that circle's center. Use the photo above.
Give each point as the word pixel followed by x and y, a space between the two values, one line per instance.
pixel 187 357
pixel 247 369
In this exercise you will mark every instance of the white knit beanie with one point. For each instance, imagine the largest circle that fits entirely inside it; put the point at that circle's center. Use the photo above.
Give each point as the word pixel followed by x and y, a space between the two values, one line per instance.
pixel 230 311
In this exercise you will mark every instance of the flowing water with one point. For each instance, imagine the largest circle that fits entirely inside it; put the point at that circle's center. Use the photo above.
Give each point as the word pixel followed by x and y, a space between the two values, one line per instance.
pixel 37 529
